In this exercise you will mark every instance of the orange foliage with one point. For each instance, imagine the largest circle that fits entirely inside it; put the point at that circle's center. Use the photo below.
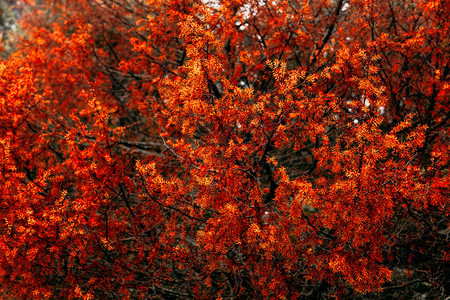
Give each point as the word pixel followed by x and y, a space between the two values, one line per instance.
pixel 235 149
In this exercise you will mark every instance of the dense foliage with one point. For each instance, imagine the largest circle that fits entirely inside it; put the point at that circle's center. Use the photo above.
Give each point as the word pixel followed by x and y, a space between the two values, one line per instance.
pixel 229 148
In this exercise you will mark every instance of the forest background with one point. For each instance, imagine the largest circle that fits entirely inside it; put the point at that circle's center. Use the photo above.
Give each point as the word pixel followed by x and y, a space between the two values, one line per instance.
pixel 234 149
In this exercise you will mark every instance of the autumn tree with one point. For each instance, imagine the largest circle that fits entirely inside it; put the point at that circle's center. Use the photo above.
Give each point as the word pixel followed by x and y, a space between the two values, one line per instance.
pixel 233 149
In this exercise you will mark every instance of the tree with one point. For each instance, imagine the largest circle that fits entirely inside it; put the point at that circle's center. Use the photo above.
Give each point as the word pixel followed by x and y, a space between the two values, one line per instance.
pixel 234 149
